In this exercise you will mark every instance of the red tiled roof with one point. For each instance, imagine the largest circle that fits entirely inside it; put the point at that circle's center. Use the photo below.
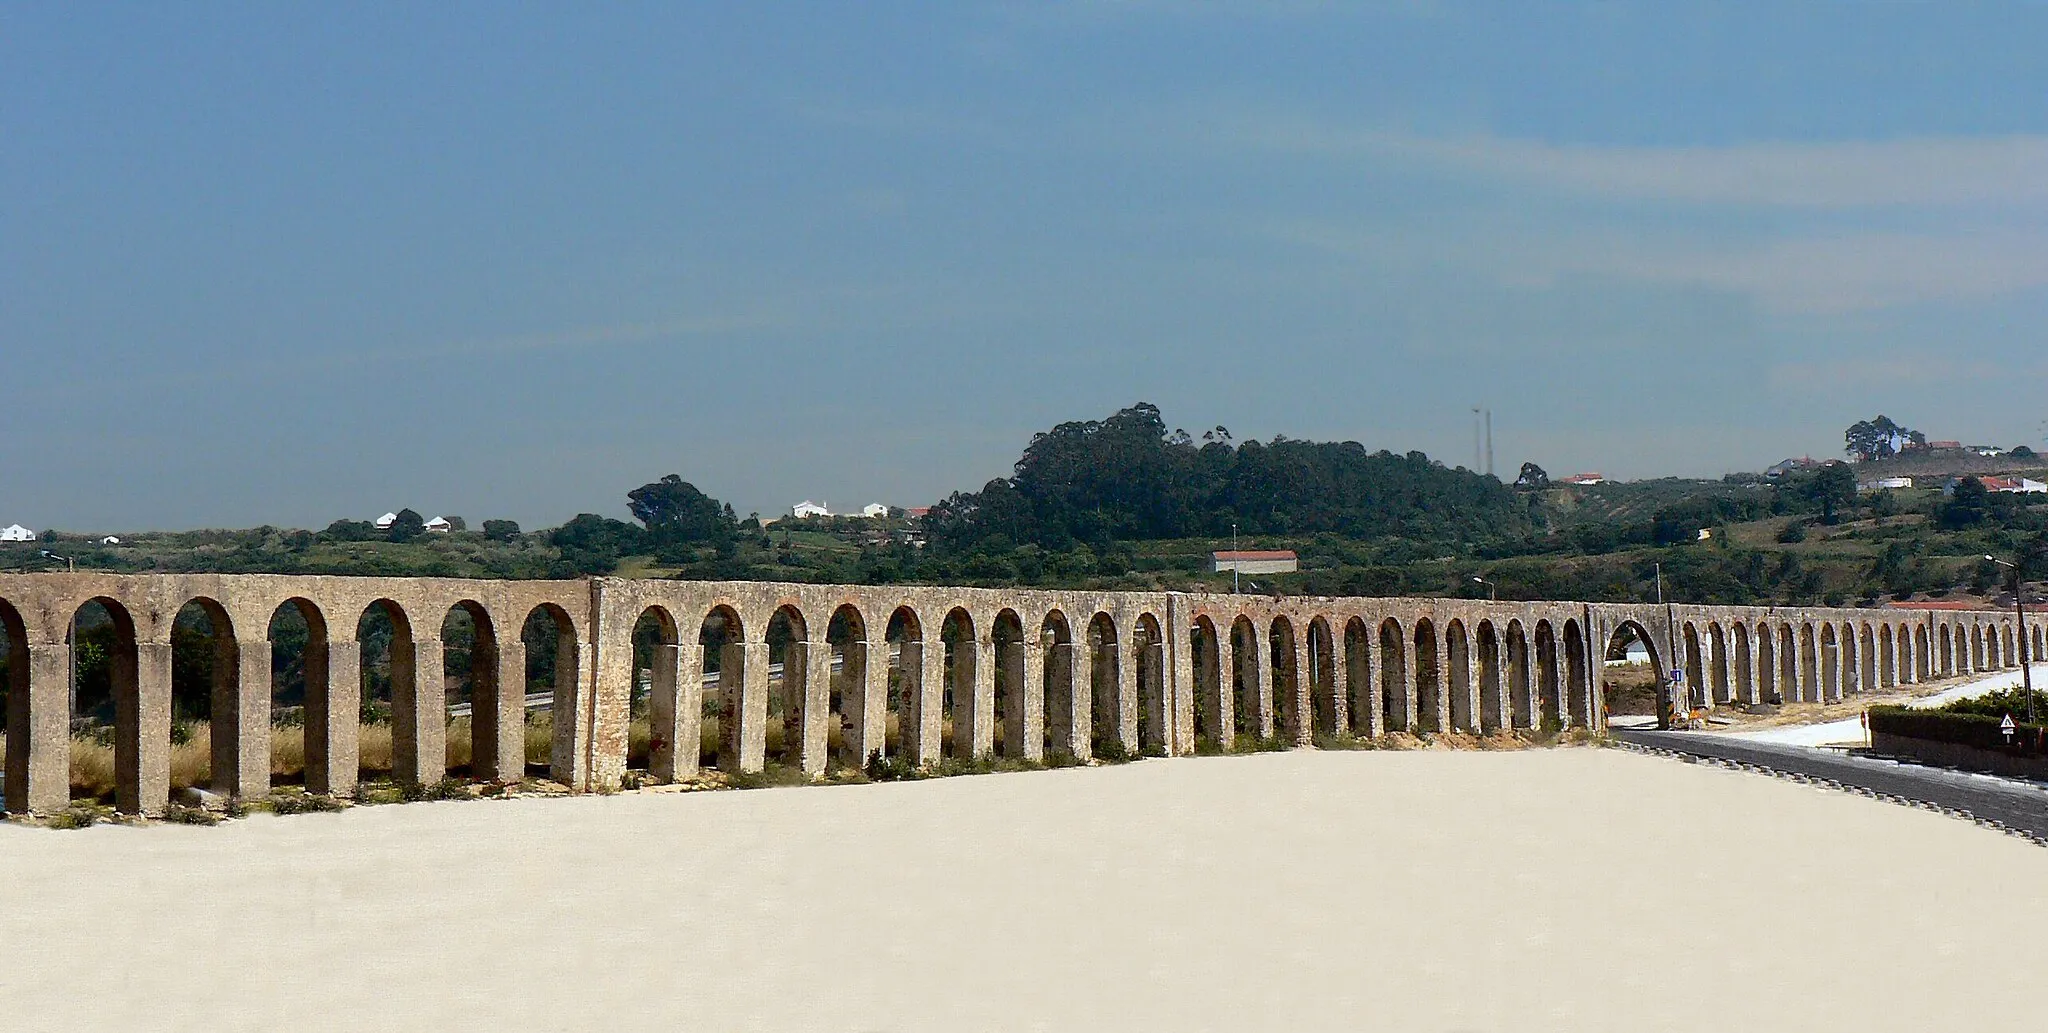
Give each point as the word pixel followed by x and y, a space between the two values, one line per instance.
pixel 1277 554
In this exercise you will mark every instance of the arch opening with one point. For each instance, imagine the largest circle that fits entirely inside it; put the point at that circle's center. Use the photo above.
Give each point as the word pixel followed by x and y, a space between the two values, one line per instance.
pixel 1395 707
pixel 722 641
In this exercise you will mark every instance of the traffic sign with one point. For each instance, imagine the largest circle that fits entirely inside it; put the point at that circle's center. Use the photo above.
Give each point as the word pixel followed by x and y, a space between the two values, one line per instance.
pixel 2008 728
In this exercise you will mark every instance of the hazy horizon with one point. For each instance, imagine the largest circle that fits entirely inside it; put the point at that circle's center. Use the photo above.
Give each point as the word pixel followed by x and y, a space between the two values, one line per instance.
pixel 281 266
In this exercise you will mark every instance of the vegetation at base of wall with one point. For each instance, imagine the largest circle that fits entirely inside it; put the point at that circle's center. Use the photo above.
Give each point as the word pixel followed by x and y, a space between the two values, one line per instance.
pixel 1979 730
pixel 287 802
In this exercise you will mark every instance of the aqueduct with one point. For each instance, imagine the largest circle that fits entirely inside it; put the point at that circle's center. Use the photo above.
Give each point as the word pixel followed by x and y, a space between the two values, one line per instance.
pixel 1019 672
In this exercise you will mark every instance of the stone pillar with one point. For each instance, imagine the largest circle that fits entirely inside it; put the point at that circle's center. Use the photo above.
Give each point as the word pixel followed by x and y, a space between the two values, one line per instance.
pixel 867 700
pixel 910 688
pixel 815 720
pixel 1301 718
pixel 982 712
pixel 1027 700
pixel 241 723
pixel 419 715
pixel 1126 710
pixel 1154 695
pixel 1180 682
pixel 675 712
pixel 1475 688
pixel 142 732
pixel 931 701
pixel 1742 671
pixel 1373 699
pixel 1009 665
pixel 39 732
pixel 1066 705
pixel 333 727
pixel 1340 689
pixel 1223 698
pixel 497 717
pixel 749 712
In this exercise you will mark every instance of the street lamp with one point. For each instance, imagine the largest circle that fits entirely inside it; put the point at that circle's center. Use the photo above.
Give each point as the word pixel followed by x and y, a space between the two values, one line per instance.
pixel 69 564
pixel 1490 587
pixel 2019 606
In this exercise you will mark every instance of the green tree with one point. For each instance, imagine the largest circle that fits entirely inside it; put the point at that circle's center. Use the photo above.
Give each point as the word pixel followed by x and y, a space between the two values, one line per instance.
pixel 1966 507
pixel 1831 488
pixel 501 530
pixel 408 526
pixel 1532 478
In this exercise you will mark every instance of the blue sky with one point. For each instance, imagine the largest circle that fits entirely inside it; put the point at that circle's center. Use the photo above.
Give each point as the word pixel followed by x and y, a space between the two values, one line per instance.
pixel 288 263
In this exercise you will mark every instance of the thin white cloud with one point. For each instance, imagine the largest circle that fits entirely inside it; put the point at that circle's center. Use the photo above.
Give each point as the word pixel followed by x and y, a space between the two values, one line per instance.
pixel 1998 172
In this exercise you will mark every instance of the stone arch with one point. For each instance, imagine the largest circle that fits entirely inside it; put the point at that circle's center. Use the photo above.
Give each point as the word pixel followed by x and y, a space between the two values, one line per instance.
pixel 2011 652
pixel 1396 689
pixel 1212 697
pixel 1579 678
pixel 674 697
pixel 1977 653
pixel 1066 715
pixel 1549 679
pixel 1251 707
pixel 964 734
pixel 105 686
pixel 1458 687
pixel 1740 664
pixel 1148 669
pixel 1013 708
pixel 795 728
pixel 1361 709
pixel 915 718
pixel 654 692
pixel 1923 660
pixel 1887 657
pixel 1948 650
pixel 857 722
pixel 1285 667
pixel 1616 647
pixel 1695 664
pixel 300 685
pixel 1487 643
pixel 554 670
pixel 20 746
pixel 1788 663
pixel 1105 691
pixel 1868 661
pixel 1831 666
pixel 1521 684
pixel 469 675
pixel 1326 709
pixel 206 691
pixel 1429 693
pixel 736 716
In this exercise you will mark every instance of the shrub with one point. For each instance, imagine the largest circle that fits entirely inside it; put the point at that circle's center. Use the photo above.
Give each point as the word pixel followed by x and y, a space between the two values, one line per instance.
pixel 889 769
pixel 1111 751
pixel 1061 759
pixel 1981 731
pixel 179 814
pixel 302 803
pixel 445 789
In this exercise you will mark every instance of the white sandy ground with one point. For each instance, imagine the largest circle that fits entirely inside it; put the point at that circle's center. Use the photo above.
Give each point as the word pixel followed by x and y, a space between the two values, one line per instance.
pixel 1576 889
pixel 1850 731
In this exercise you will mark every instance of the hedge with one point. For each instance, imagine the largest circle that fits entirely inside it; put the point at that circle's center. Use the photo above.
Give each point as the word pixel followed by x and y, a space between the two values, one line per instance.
pixel 1979 730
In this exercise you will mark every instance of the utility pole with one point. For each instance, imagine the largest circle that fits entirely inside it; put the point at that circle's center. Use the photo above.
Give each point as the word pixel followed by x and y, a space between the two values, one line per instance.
pixel 1476 454
pixel 1233 560
pixel 1489 442
pixel 2019 606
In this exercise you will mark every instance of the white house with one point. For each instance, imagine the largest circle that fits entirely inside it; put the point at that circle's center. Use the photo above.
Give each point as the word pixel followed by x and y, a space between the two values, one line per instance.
pixel 440 524
pixel 807 508
pixel 874 511
pixel 110 540
pixel 1885 484
pixel 384 522
pixel 16 533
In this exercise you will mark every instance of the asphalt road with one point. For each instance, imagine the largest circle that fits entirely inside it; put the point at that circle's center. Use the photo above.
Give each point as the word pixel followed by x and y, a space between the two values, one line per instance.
pixel 2018 804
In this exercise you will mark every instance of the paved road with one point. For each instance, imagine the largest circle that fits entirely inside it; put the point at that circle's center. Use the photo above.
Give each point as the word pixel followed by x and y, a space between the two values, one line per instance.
pixel 2022 805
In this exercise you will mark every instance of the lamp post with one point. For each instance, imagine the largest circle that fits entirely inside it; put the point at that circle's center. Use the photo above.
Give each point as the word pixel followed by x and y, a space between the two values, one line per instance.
pixel 2019 606
pixel 1490 587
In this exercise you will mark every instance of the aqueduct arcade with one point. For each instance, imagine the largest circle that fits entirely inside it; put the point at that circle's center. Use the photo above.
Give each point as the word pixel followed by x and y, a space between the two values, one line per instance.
pixel 922 673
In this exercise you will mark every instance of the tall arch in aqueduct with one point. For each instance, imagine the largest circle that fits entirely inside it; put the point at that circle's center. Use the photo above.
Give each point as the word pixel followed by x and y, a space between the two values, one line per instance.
pixel 1147 671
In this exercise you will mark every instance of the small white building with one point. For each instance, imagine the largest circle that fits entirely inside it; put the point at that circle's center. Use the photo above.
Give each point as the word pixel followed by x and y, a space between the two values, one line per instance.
pixel 110 540
pixel 1886 484
pixel 440 525
pixel 384 522
pixel 16 533
pixel 874 511
pixel 807 508
pixel 1272 561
